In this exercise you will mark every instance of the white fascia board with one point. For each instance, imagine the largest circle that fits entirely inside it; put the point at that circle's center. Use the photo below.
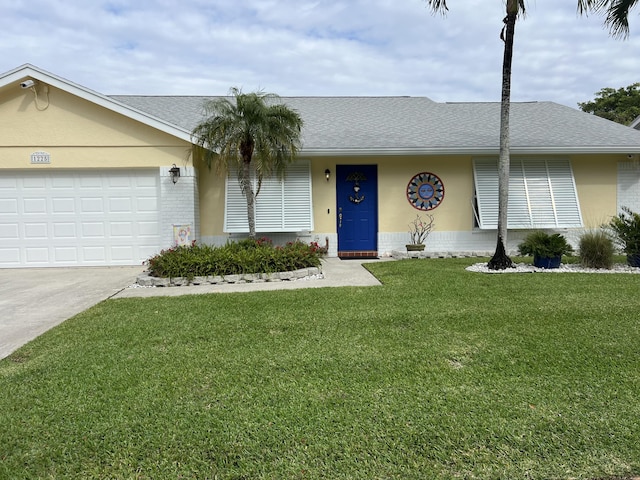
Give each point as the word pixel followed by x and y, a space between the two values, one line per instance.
pixel 388 152
pixel 29 71
pixel 600 149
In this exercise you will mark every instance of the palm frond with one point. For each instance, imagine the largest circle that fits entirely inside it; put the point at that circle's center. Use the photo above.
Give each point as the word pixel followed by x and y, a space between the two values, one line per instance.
pixel 438 6
pixel 616 14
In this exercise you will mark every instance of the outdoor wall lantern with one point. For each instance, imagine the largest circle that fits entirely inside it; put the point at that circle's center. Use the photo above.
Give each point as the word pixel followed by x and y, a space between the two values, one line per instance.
pixel 175 173
pixel 327 174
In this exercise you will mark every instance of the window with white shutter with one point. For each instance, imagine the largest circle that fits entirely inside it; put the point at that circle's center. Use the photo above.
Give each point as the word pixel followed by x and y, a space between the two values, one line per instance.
pixel 542 193
pixel 281 206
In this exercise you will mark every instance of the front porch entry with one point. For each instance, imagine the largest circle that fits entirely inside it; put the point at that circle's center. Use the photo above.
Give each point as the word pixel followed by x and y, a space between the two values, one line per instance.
pixel 357 204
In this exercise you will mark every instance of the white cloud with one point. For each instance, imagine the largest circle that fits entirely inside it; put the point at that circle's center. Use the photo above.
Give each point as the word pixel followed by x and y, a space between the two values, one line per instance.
pixel 318 47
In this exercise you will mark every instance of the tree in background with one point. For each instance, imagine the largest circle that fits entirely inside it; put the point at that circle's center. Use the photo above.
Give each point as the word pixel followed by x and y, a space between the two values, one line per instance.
pixel 253 132
pixel 514 8
pixel 621 105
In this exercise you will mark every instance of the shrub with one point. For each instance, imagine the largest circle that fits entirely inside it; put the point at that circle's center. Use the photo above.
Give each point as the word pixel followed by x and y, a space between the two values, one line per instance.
pixel 626 230
pixel 245 256
pixel 596 250
pixel 545 245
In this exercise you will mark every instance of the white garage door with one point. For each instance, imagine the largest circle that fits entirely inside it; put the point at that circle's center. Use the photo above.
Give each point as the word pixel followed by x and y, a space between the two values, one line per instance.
pixel 63 218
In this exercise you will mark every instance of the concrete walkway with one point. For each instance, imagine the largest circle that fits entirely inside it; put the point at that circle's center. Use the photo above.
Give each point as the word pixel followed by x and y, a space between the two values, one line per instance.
pixel 33 300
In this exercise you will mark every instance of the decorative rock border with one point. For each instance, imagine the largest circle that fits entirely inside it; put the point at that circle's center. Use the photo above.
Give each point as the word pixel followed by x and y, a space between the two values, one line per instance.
pixel 404 254
pixel 146 280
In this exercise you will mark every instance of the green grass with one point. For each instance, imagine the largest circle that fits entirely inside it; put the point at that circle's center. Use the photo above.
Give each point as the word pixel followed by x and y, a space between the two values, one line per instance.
pixel 438 373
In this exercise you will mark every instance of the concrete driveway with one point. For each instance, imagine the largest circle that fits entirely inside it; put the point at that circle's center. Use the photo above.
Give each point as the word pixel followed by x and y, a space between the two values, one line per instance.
pixel 33 300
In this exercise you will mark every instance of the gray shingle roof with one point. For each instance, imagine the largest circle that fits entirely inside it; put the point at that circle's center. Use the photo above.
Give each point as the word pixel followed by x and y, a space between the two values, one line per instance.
pixel 386 125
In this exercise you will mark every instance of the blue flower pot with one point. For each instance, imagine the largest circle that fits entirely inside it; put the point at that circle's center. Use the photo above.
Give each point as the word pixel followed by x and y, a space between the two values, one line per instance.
pixel 546 262
pixel 634 260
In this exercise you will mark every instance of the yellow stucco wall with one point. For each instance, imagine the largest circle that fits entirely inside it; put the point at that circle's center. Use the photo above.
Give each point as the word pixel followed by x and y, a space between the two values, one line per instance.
pixel 78 134
pixel 211 185
pixel 596 179
pixel 394 210
pixel 394 174
pixel 595 176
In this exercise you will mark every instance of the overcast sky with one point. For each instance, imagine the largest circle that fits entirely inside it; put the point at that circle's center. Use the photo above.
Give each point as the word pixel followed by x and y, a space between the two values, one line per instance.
pixel 318 48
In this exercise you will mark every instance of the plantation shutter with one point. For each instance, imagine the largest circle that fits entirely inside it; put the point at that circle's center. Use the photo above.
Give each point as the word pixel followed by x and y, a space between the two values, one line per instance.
pixel 542 193
pixel 281 206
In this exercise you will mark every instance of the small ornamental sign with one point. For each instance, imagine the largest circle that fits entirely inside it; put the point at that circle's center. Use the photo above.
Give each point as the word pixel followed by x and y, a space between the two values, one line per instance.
pixel 40 157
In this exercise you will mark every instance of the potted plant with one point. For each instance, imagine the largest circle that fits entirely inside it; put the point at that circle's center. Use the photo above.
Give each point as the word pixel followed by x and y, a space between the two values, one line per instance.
pixel 626 232
pixel 546 248
pixel 419 230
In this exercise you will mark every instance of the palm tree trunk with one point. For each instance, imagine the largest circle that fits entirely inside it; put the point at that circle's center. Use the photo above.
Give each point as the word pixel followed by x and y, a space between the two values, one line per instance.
pixel 245 182
pixel 500 259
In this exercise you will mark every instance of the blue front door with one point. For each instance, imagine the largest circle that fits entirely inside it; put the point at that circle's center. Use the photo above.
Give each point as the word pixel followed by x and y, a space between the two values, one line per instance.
pixel 357 202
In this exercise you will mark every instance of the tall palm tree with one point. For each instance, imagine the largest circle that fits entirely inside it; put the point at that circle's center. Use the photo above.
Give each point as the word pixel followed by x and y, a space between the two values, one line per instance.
pixel 617 13
pixel 254 130
pixel 514 9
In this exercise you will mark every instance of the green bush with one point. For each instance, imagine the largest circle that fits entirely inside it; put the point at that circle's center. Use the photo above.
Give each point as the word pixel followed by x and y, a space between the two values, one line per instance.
pixel 626 230
pixel 596 250
pixel 545 245
pixel 245 256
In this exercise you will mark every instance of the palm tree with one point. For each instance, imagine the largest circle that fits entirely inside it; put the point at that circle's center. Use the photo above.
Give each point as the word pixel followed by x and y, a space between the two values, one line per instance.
pixel 617 13
pixel 514 8
pixel 255 130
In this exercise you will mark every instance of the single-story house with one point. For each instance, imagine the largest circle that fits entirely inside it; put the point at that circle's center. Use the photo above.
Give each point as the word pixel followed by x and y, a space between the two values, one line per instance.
pixel 90 179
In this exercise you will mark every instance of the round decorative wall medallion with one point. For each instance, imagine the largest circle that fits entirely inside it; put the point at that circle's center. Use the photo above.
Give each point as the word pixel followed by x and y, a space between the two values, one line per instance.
pixel 425 191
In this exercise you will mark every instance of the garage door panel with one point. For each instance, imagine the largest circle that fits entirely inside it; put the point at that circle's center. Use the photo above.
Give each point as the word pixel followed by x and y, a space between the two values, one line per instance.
pixel 147 204
pixel 121 181
pixel 35 231
pixel 93 230
pixel 37 255
pixel 63 205
pixel 121 254
pixel 91 205
pixel 64 230
pixel 10 257
pixel 34 206
pixel 9 231
pixel 148 229
pixel 62 218
pixel 94 254
pixel 8 206
pixel 90 182
pixel 34 183
pixel 8 183
pixel 121 204
pixel 142 181
pixel 62 183
pixel 65 255
pixel 122 229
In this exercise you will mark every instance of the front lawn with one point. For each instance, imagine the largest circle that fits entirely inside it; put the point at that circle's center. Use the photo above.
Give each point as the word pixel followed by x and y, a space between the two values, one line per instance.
pixel 438 373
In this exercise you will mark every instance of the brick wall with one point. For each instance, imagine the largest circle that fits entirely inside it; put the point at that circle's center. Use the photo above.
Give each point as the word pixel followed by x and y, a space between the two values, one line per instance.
pixel 178 204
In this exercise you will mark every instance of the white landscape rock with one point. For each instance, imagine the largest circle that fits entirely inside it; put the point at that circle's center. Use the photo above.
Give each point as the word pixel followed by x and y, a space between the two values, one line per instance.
pixel 564 268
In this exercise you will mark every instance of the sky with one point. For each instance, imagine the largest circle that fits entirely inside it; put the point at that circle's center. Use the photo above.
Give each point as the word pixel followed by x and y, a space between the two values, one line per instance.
pixel 318 48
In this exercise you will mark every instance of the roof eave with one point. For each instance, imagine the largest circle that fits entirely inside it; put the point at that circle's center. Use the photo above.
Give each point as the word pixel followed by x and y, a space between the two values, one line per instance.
pixel 28 70
pixel 451 151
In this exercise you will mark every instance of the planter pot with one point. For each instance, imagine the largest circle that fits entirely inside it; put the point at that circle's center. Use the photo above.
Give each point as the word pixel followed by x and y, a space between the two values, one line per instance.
pixel 546 262
pixel 634 260
pixel 415 247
